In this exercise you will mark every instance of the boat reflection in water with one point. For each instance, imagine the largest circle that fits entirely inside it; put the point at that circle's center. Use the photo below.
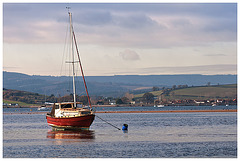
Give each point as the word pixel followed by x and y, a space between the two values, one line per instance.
pixel 71 134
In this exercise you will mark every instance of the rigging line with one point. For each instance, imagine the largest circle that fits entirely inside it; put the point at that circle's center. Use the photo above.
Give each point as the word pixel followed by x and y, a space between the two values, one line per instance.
pixel 64 49
pixel 75 41
pixel 107 122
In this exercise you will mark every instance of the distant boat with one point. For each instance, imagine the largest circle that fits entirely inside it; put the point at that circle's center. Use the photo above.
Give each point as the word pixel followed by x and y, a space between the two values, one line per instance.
pixel 43 108
pixel 72 115
pixel 160 105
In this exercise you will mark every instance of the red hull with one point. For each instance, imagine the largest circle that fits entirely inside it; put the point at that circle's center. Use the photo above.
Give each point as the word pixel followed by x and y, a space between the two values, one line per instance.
pixel 80 122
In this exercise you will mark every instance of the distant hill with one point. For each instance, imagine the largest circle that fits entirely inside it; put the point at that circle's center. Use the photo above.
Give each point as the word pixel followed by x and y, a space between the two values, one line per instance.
pixel 22 98
pixel 226 92
pixel 114 86
pixel 25 99
pixel 60 86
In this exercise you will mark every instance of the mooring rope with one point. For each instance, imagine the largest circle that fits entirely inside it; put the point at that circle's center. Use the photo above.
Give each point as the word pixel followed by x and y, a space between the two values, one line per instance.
pixel 107 122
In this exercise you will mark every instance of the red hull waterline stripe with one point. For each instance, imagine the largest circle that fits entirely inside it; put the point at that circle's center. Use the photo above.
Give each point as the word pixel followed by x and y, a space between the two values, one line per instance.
pixel 82 122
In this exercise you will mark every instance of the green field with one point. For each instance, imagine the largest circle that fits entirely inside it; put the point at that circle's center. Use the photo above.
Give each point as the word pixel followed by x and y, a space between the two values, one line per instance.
pixel 203 92
pixel 22 104
pixel 211 92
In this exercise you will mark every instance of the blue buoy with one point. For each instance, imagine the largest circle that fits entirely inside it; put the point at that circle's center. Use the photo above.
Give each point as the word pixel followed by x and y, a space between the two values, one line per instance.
pixel 125 127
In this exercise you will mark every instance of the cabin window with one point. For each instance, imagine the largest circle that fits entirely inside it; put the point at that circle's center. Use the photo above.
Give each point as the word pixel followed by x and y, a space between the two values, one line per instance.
pixel 56 106
pixel 66 106
pixel 79 105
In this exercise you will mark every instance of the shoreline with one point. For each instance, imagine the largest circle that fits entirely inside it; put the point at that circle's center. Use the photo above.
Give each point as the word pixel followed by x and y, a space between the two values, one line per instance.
pixel 106 106
pixel 166 111
pixel 169 111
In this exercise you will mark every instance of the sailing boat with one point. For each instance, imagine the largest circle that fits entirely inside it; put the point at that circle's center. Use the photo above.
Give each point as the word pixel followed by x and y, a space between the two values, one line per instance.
pixel 72 115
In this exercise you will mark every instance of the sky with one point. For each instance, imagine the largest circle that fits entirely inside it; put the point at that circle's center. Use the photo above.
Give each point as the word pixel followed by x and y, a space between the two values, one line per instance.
pixel 122 38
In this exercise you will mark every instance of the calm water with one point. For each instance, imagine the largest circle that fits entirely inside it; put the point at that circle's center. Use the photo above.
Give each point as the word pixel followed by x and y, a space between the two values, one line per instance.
pixel 150 135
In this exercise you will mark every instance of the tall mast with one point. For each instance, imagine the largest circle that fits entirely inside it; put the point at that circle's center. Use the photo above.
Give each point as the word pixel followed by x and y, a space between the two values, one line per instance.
pixel 73 41
pixel 72 50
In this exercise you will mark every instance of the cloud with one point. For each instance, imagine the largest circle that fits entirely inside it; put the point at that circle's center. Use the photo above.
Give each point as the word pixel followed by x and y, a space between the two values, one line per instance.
pixel 201 69
pixel 127 25
pixel 129 55
pixel 11 68
pixel 215 55
pixel 135 21
pixel 94 18
pixel 155 30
